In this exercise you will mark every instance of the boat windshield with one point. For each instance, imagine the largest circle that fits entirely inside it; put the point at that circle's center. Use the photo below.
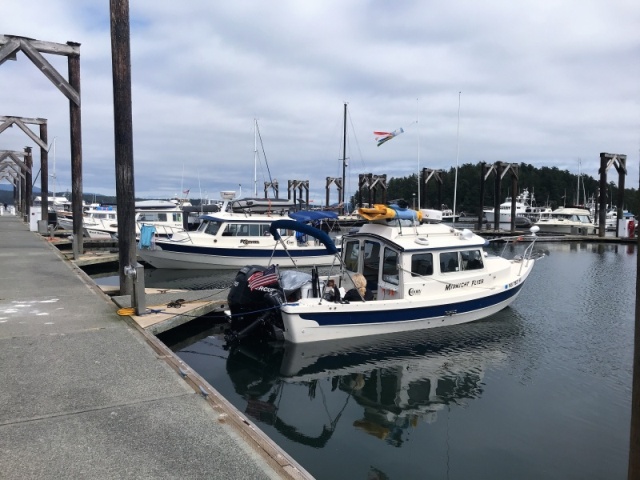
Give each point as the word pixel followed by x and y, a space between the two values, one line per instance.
pixel 209 227
pixel 159 217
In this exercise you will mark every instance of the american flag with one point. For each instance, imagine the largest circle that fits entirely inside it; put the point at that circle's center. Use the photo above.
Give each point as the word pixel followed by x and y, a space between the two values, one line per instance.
pixel 262 279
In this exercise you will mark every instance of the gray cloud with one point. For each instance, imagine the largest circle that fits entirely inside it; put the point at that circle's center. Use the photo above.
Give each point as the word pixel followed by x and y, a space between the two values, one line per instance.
pixel 542 83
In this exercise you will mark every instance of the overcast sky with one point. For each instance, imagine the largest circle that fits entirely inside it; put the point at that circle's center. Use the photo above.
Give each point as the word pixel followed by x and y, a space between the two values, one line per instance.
pixel 550 83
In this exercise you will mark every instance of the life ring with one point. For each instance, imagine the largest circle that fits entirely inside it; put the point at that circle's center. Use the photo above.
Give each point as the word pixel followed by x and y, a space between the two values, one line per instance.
pixel 422 241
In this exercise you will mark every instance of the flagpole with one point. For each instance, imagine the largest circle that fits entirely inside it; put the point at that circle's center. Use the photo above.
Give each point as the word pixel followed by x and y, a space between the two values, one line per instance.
pixel 418 134
pixel 455 186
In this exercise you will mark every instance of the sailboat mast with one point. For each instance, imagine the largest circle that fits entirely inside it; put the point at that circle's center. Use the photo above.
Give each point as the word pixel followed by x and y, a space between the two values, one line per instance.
pixel 455 185
pixel 344 161
pixel 255 157
pixel 578 189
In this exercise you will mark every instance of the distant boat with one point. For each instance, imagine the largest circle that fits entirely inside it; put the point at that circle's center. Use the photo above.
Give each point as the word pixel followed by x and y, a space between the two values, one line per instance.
pixel 166 216
pixel 567 221
pixel 101 221
pixel 447 215
pixel 232 239
pixel 525 207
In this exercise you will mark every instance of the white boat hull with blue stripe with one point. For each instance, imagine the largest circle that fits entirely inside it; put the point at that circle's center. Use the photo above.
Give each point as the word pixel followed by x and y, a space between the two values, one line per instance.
pixel 417 276
pixel 229 240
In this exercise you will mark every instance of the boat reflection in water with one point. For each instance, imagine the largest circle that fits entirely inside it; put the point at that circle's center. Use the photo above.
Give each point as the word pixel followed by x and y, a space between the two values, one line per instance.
pixel 399 382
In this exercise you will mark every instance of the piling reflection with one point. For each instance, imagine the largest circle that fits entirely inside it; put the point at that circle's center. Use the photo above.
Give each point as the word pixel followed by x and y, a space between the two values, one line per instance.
pixel 396 382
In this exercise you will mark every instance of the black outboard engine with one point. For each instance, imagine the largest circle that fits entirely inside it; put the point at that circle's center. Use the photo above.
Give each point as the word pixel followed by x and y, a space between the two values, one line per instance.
pixel 254 312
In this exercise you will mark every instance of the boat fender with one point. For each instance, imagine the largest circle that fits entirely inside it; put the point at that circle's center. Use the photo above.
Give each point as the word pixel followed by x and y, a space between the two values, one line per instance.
pixel 422 241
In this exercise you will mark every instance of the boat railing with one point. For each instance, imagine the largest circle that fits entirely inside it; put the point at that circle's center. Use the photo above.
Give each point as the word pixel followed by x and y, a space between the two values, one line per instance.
pixel 165 231
pixel 528 253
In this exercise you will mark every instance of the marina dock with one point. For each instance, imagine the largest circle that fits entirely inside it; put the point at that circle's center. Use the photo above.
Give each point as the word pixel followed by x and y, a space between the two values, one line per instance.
pixel 89 393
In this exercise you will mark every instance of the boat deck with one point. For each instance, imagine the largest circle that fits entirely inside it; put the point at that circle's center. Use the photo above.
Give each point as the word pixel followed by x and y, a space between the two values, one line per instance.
pixel 167 309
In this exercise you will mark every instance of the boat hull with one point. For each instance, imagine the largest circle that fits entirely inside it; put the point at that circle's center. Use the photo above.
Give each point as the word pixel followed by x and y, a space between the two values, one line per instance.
pixel 199 258
pixel 567 229
pixel 311 320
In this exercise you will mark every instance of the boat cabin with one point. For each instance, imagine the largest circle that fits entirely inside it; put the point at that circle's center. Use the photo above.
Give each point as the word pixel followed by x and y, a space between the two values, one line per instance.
pixel 225 228
pixel 397 269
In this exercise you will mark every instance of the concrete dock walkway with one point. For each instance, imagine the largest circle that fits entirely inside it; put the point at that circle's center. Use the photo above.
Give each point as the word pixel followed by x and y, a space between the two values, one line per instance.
pixel 85 394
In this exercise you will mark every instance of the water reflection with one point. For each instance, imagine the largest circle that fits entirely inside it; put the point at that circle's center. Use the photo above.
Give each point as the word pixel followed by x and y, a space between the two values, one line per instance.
pixel 396 382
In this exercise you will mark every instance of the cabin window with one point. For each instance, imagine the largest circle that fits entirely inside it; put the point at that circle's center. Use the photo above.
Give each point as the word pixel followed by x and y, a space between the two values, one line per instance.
pixel 390 266
pixel 264 229
pixel 177 217
pixel 152 217
pixel 471 260
pixel 371 260
pixel 422 264
pixel 449 262
pixel 351 255
pixel 254 230
pixel 212 228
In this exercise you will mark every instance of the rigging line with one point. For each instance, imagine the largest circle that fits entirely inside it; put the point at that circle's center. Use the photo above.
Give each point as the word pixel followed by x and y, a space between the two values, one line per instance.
pixel 353 130
pixel 265 156
pixel 455 187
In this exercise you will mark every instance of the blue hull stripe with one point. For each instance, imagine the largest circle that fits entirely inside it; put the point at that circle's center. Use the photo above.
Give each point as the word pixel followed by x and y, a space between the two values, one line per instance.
pixel 407 314
pixel 244 252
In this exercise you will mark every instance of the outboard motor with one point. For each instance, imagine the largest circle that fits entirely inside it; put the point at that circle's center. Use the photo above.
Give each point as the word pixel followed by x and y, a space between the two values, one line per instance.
pixel 254 312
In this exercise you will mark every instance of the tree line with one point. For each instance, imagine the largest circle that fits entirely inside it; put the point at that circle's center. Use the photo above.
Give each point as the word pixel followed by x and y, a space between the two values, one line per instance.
pixel 549 185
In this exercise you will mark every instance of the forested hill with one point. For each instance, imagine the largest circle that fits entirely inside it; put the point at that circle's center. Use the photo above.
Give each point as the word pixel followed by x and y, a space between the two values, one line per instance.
pixel 550 185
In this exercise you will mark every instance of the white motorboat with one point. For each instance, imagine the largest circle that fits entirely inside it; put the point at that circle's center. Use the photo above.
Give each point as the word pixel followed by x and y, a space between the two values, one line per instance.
pixel 102 221
pixel 166 216
pixel 229 239
pixel 56 204
pixel 448 216
pixel 611 219
pixel 567 221
pixel 525 207
pixel 417 275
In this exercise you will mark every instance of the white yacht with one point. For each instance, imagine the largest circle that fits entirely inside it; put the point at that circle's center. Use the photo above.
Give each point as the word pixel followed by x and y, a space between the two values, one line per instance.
pixel 525 207
pixel 567 221
pixel 234 237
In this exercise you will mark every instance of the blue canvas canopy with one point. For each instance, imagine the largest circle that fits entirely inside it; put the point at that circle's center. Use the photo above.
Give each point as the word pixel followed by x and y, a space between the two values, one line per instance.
pixel 313 215
pixel 304 228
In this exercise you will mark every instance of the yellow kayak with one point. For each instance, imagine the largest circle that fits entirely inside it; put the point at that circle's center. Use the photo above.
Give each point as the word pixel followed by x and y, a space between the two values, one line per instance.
pixel 384 212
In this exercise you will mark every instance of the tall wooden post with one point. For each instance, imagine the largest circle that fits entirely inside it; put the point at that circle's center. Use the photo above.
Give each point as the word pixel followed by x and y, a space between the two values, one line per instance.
pixel 602 212
pixel 123 129
pixel 634 443
pixel 344 161
pixel 483 169
pixel 76 154
pixel 28 190
pixel 496 198
pixel 44 174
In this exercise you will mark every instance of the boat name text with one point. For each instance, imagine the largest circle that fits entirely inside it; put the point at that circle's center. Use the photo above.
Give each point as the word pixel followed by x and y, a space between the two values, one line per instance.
pixel 415 291
pixel 244 241
pixel 471 283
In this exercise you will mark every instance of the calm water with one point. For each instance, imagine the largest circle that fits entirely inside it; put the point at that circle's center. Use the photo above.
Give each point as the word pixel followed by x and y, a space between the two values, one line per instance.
pixel 542 390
